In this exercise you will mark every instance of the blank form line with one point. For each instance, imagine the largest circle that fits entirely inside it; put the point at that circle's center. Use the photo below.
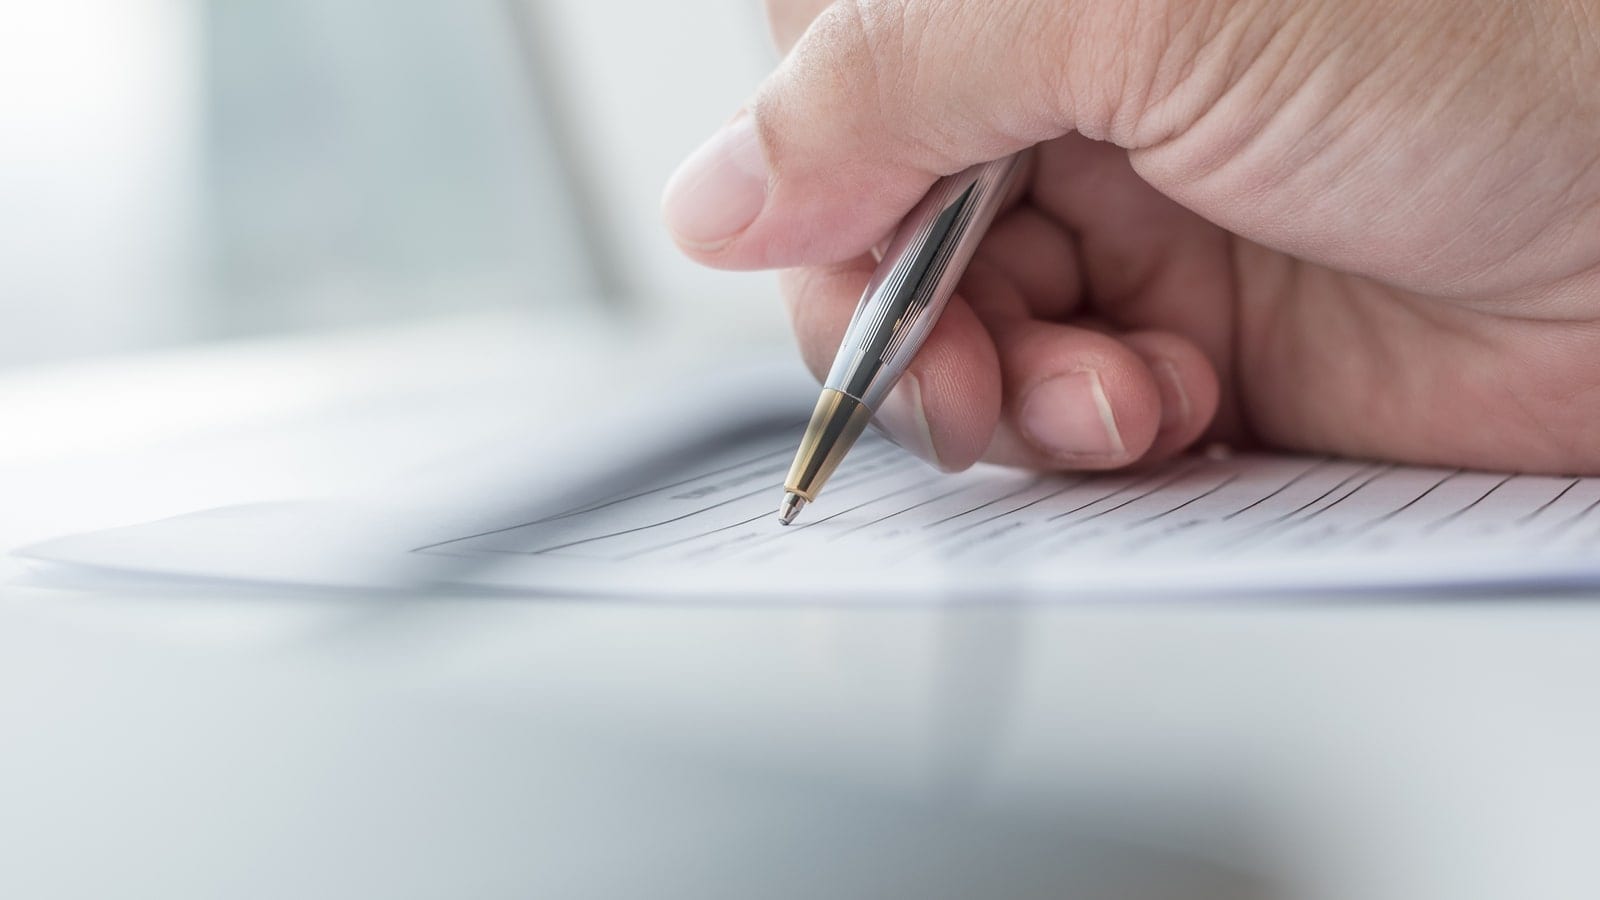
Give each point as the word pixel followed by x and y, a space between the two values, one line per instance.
pixel 595 507
pixel 694 537
pixel 1096 501
pixel 764 489
pixel 1574 519
pixel 1029 505
pixel 1048 537
pixel 901 512
pixel 1021 490
pixel 666 487
pixel 1331 514
pixel 864 505
pixel 793 529
pixel 1435 526
pixel 1549 503
pixel 1325 494
pixel 1130 501
pixel 1393 513
pixel 861 479
pixel 1190 502
pixel 1124 489
pixel 1281 488
pixel 1346 496
pixel 1364 529
pixel 1250 534
pixel 1055 535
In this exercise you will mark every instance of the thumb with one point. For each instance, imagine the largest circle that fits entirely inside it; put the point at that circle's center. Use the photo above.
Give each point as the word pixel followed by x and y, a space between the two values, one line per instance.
pixel 881 97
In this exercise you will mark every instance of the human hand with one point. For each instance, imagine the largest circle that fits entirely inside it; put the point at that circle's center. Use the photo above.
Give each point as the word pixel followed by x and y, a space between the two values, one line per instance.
pixel 1364 227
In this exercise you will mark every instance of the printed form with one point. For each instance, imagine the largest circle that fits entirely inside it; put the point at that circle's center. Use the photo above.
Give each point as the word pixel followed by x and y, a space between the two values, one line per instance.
pixel 691 510
pixel 671 489
pixel 889 525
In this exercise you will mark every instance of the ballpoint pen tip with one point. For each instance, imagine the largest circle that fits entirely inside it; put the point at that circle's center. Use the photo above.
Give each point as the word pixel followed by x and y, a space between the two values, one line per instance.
pixel 789 510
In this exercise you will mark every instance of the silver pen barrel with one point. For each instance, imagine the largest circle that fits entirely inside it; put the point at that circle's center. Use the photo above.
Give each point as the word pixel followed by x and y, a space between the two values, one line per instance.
pixel 901 304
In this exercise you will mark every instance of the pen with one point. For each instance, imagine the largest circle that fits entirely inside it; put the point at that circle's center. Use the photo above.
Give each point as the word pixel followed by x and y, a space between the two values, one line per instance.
pixel 907 293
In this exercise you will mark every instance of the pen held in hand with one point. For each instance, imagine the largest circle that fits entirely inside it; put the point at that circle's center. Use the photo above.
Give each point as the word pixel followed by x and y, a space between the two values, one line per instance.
pixel 898 310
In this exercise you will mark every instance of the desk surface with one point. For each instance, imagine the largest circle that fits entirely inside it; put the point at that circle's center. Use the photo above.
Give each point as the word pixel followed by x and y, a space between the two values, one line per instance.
pixel 190 741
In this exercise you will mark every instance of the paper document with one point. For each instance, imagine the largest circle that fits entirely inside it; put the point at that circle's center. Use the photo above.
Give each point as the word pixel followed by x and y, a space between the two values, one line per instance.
pixel 701 520
pixel 887 521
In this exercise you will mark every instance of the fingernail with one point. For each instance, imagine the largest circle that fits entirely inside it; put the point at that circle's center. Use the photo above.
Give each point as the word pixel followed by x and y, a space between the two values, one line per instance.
pixel 902 419
pixel 1069 415
pixel 1175 408
pixel 720 189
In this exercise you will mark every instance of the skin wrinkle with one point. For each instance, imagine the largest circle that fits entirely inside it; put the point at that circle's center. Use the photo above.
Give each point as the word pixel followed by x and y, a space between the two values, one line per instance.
pixel 902 70
pixel 996 114
pixel 1049 117
pixel 1270 180
pixel 919 23
pixel 1423 70
pixel 1156 27
pixel 1551 116
pixel 910 25
pixel 1575 225
pixel 914 26
pixel 1172 65
pixel 865 34
pixel 1588 226
pixel 1436 259
pixel 1558 232
pixel 1560 301
pixel 1094 76
pixel 1586 15
pixel 834 41
pixel 1583 32
pixel 1343 101
pixel 1118 89
pixel 1463 285
pixel 1133 90
pixel 1346 178
pixel 1350 79
pixel 1182 78
pixel 1029 118
pixel 1349 69
pixel 1203 153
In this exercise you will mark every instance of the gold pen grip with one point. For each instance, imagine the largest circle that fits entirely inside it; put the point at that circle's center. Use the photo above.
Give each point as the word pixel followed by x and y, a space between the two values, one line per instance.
pixel 836 424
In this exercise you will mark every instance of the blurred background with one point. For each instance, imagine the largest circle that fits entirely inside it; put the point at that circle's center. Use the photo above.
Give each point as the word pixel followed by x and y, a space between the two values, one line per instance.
pixel 183 171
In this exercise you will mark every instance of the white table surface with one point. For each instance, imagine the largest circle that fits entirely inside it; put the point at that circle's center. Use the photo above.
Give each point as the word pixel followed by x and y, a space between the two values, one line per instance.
pixel 196 741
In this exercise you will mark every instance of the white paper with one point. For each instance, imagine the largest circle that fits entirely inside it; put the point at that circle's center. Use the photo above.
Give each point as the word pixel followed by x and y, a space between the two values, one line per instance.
pixel 889 527
pixel 889 524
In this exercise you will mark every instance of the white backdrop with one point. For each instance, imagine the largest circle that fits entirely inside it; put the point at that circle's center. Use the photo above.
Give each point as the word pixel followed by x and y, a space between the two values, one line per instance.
pixel 97 140
pixel 180 170
pixel 648 81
